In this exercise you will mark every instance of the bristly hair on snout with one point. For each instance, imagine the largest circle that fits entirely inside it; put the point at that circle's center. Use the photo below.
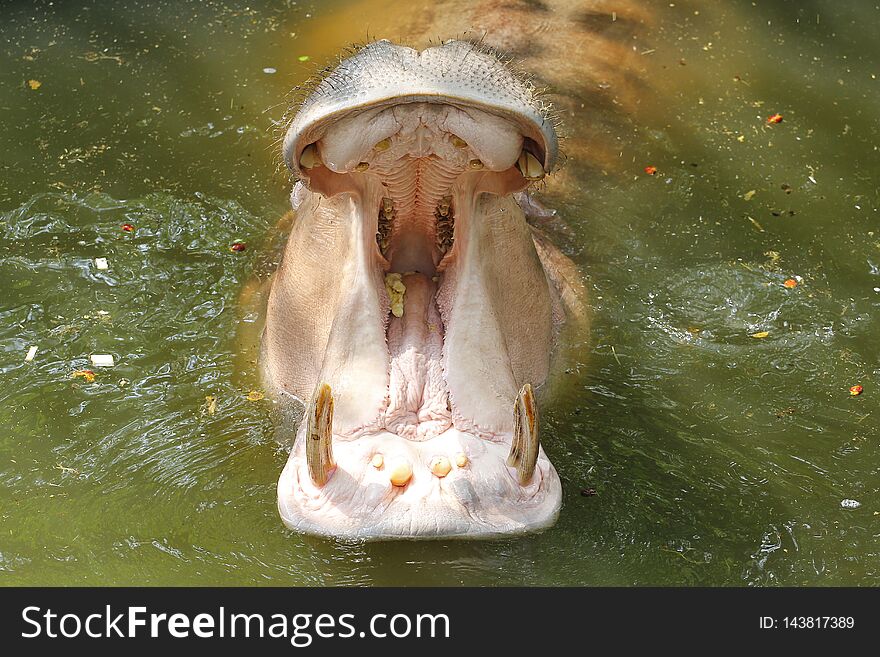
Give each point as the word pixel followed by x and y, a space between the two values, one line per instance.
pixel 328 78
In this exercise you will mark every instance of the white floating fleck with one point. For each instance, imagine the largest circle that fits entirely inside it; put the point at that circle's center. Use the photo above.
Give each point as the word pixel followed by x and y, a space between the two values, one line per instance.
pixel 30 354
pixel 101 263
pixel 269 70
pixel 877 289
pixel 850 504
pixel 102 360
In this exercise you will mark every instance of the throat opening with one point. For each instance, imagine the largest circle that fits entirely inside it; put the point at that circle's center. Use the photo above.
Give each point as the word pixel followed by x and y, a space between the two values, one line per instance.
pixel 416 217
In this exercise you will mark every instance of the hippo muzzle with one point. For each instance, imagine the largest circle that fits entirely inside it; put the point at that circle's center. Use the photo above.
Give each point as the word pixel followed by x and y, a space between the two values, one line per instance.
pixel 411 313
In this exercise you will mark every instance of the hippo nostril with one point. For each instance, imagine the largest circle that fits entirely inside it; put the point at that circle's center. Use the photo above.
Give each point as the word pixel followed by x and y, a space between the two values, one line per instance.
pixel 440 466
pixel 400 472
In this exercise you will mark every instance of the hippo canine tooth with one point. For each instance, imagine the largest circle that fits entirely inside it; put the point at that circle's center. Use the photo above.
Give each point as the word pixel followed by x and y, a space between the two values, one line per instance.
pixel 524 449
pixel 309 158
pixel 529 166
pixel 319 436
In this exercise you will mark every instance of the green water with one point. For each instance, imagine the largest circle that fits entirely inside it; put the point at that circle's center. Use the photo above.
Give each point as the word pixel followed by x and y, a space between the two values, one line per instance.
pixel 716 458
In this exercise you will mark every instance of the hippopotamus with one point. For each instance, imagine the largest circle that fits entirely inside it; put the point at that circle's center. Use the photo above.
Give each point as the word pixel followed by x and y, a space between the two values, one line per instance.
pixel 415 311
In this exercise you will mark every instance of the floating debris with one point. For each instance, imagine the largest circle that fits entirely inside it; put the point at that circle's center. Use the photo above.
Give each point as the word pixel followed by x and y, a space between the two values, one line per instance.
pixel 303 58
pixel 128 228
pixel 856 390
pixel 210 405
pixel 34 84
pixel 850 504
pixel 790 283
pixel 774 118
pixel 102 263
pixel 760 335
pixel 102 360
pixel 749 194
pixel 88 375
pixel 651 171
pixel 255 395
pixel 238 247
pixel 588 492
pixel 270 70
pixel 30 354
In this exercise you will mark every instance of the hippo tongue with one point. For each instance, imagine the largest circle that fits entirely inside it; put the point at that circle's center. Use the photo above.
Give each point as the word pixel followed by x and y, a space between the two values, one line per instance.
pixel 418 407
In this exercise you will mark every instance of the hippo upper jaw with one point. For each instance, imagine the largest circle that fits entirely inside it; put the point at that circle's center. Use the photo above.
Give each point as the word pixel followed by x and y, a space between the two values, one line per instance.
pixel 411 311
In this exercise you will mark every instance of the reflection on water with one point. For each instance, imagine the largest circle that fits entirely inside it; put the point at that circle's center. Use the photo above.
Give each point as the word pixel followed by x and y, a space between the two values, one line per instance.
pixel 717 456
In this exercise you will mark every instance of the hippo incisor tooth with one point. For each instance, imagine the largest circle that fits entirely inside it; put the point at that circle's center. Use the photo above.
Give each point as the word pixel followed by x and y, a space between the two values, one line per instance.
pixel 475 164
pixel 377 461
pixel 529 166
pixel 458 142
pixel 461 459
pixel 362 166
pixel 524 449
pixel 319 436
pixel 309 158
pixel 383 145
pixel 400 472
pixel 440 466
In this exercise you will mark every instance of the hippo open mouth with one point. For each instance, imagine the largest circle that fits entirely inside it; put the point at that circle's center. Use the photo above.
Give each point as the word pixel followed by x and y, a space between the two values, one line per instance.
pixel 412 312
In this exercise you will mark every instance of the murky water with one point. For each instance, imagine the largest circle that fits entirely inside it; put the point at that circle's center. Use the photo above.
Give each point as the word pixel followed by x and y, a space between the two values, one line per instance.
pixel 716 456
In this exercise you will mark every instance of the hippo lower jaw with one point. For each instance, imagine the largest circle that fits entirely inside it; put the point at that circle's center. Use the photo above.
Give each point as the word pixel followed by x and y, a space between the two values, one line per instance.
pixel 411 306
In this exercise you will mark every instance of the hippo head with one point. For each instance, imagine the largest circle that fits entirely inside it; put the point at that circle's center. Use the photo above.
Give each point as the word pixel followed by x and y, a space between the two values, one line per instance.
pixel 412 312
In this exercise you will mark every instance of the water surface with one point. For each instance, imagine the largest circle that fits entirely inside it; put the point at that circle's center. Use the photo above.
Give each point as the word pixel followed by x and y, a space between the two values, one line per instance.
pixel 715 457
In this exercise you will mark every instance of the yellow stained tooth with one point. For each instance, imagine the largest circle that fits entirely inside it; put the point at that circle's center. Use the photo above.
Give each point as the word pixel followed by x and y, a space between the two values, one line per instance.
pixel 529 166
pixel 309 158
pixel 475 164
pixel 378 461
pixel 362 166
pixel 383 145
pixel 461 460
pixel 400 472
pixel 440 466
pixel 458 142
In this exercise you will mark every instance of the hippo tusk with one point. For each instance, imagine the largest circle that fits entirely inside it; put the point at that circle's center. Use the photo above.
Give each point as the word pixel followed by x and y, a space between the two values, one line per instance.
pixel 524 449
pixel 309 158
pixel 319 436
pixel 529 166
